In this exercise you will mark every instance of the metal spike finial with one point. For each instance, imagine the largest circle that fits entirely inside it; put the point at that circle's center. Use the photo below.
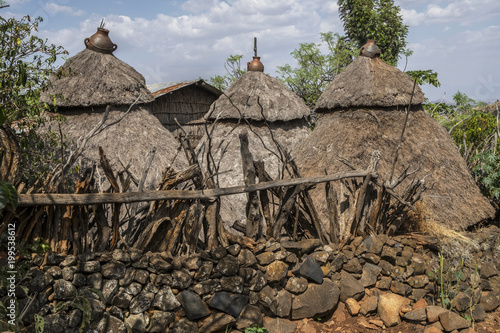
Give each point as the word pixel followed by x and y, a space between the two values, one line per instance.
pixel 255 46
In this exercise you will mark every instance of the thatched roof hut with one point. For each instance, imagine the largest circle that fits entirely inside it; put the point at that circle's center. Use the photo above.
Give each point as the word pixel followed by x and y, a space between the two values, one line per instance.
pixel 363 110
pixel 259 97
pixel 93 79
pixel 263 107
pixel 84 86
pixel 369 83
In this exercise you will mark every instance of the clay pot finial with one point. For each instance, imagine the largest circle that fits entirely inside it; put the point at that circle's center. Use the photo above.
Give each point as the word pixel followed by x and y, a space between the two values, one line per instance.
pixel 100 42
pixel 370 49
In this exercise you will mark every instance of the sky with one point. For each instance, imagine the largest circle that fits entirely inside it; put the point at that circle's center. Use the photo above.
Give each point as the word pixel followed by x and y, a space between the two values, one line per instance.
pixel 189 39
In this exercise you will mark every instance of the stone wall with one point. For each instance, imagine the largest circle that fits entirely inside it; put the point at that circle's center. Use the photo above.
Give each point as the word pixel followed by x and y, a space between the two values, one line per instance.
pixel 392 279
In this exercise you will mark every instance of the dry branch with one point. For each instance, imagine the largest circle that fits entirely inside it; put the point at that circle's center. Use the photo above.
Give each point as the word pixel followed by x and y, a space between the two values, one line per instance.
pixel 249 174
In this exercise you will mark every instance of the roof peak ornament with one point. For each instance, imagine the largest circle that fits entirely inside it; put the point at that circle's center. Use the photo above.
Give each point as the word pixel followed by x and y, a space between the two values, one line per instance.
pixel 100 41
pixel 370 49
pixel 255 65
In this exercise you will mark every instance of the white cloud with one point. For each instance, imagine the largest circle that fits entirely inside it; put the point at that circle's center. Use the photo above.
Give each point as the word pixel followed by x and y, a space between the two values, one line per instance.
pixel 54 8
pixel 463 12
pixel 450 11
pixel 412 18
pixel 487 37
pixel 196 40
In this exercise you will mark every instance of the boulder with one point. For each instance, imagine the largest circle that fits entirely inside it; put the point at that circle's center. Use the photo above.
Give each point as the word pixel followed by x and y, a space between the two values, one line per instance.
pixel 204 272
pixel 305 246
pixel 231 304
pixel 250 315
pixel 370 275
pixel 181 279
pixel 490 301
pixel 184 325
pixel 159 320
pixel 228 266
pixel 115 325
pixel 389 306
pixel 218 322
pixel 193 306
pixel 352 306
pixel 418 315
pixel 234 284
pixel 369 305
pixel 311 270
pixel 165 300
pixel 141 302
pixel 316 300
pixel 433 313
pixel 283 304
pixel 296 285
pixel 135 323
pixel 246 258
pixel 350 287
pixel 279 325
pixel 89 267
pixel 64 290
pixel 276 272
pixel 452 321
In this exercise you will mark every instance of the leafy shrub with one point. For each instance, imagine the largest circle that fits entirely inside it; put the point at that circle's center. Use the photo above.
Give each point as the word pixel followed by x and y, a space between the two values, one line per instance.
pixel 487 172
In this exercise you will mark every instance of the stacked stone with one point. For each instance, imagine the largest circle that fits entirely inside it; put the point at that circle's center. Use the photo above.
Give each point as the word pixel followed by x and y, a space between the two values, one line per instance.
pixel 271 286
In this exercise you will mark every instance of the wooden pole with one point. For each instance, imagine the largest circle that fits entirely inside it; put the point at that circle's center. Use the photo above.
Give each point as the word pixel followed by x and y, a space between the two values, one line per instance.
pixel 252 207
pixel 46 199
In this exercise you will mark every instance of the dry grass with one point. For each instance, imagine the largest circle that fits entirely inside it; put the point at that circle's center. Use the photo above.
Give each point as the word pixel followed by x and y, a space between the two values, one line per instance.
pixel 258 96
pixel 96 79
pixel 452 198
pixel 368 83
pixel 129 141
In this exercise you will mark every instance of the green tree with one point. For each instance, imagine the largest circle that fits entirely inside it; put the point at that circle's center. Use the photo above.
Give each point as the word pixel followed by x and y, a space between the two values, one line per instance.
pixel 26 61
pixel 477 135
pixel 375 19
pixel 315 70
pixel 234 71
pixel 427 76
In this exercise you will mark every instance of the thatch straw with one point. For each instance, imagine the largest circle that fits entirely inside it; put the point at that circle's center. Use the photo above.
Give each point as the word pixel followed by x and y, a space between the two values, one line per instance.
pixel 130 141
pixel 453 199
pixel 258 96
pixel 368 82
pixel 96 79
pixel 263 148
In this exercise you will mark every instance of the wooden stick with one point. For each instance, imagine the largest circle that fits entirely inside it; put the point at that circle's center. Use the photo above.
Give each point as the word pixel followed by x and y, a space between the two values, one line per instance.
pixel 332 203
pixel 252 207
pixel 288 202
pixel 116 207
pixel 46 199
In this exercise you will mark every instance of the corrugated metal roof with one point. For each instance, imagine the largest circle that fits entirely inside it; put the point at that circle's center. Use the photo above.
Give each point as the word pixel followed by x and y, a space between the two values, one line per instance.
pixel 160 89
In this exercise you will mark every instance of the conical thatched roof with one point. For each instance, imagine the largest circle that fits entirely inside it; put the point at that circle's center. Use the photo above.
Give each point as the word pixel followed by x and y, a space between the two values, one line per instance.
pixel 373 96
pixel 96 79
pixel 369 82
pixel 129 141
pixel 258 96
pixel 452 198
